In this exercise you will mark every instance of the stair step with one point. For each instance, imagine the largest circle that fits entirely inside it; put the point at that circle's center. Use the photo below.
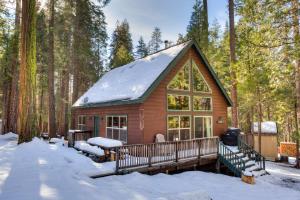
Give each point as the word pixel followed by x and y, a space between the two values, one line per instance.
pixel 250 163
pixel 251 168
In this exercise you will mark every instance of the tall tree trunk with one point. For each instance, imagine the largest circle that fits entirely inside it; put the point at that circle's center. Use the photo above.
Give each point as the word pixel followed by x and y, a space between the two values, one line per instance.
pixel 51 105
pixel 75 58
pixel 27 89
pixel 260 116
pixel 41 109
pixel 15 73
pixel 205 23
pixel 295 9
pixel 234 108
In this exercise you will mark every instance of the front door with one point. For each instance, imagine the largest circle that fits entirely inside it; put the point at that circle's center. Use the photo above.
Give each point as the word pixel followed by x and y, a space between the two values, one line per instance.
pixel 96 126
pixel 203 126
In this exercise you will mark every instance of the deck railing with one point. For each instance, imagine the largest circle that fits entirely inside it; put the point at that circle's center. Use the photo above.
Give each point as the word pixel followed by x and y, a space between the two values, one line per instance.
pixel 251 153
pixel 231 160
pixel 146 155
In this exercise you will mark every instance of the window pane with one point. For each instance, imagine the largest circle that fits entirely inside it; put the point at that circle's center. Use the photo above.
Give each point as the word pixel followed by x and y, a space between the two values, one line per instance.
pixel 116 122
pixel 202 103
pixel 184 134
pixel 83 119
pixel 123 135
pixel 173 121
pixel 182 79
pixel 199 127
pixel 116 134
pixel 199 82
pixel 109 122
pixel 207 127
pixel 173 135
pixel 185 122
pixel 123 122
pixel 109 132
pixel 178 102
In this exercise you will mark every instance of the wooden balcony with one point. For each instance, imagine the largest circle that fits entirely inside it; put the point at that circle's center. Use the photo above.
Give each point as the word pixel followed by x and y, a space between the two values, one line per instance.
pixel 166 155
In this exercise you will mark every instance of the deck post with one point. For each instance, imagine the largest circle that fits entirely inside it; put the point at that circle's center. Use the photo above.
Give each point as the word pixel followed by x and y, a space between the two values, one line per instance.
pixel 117 160
pixel 199 151
pixel 149 154
pixel 176 151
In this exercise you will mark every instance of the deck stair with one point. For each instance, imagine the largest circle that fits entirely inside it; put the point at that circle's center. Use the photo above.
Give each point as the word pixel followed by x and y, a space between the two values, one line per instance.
pixel 242 159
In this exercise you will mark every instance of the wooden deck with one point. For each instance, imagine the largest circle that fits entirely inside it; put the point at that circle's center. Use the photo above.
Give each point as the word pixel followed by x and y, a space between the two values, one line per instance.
pixel 166 156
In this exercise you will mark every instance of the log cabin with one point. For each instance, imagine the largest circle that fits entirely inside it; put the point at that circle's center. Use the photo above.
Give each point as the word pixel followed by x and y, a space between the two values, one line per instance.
pixel 174 92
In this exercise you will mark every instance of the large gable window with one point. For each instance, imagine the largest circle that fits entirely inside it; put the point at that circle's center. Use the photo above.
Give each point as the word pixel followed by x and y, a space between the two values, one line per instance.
pixel 182 79
pixel 202 103
pixel 199 82
pixel 116 127
pixel 179 127
pixel 178 102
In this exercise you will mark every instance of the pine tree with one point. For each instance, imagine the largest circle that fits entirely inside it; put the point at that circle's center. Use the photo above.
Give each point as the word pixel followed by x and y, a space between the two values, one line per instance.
pixel 27 113
pixel 89 34
pixel 141 48
pixel 10 79
pixel 121 46
pixel 234 109
pixel 42 65
pixel 198 25
pixel 156 41
pixel 180 39
pixel 51 98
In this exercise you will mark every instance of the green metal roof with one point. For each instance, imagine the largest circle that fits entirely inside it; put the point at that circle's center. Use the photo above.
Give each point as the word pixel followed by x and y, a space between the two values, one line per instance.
pixel 161 77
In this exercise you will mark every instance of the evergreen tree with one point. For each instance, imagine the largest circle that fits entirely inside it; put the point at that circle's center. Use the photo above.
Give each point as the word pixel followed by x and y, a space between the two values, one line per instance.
pixel 27 113
pixel 89 38
pixel 180 39
pixel 42 65
pixel 121 46
pixel 198 25
pixel 141 48
pixel 156 41
pixel 233 91
pixel 51 97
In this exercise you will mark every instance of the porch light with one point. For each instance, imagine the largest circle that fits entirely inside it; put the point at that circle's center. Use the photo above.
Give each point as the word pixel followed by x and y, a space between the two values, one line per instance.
pixel 220 120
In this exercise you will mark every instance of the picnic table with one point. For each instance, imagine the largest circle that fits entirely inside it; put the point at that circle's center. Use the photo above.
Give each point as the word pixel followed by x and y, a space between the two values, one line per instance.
pixel 108 145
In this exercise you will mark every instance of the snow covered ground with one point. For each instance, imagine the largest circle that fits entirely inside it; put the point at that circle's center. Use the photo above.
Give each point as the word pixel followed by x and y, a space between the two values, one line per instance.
pixel 38 170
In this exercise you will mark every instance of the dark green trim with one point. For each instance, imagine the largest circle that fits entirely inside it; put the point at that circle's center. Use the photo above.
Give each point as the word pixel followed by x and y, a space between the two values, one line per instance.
pixel 160 78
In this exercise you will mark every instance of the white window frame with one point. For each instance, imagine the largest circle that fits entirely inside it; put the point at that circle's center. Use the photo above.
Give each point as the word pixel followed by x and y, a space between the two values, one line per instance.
pixel 80 125
pixel 117 128
pixel 211 103
pixel 210 90
pixel 190 78
pixel 179 95
pixel 179 128
pixel 212 124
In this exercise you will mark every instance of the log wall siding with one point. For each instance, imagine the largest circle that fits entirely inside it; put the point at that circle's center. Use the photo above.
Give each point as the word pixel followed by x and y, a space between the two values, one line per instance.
pixel 155 107
pixel 147 119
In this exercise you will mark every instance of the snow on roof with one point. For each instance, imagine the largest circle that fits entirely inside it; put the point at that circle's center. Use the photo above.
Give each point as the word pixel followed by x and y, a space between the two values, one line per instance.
pixel 131 81
pixel 266 127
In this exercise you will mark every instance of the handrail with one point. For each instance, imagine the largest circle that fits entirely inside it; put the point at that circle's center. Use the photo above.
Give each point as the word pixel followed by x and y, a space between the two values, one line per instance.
pixel 251 153
pixel 146 155
pixel 231 160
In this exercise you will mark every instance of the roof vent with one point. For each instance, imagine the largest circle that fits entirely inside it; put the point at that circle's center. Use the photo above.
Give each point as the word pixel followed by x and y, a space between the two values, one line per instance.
pixel 85 100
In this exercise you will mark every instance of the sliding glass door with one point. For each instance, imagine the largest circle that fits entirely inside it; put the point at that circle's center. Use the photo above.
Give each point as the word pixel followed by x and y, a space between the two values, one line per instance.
pixel 203 126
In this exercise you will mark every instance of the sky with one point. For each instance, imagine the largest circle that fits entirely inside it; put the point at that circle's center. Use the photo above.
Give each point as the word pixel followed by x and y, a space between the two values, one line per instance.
pixel 171 16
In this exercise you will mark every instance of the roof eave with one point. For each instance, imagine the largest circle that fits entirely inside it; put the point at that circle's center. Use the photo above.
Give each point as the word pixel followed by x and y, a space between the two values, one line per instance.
pixel 109 103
